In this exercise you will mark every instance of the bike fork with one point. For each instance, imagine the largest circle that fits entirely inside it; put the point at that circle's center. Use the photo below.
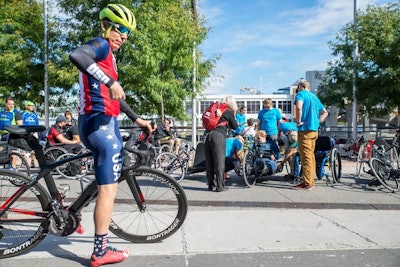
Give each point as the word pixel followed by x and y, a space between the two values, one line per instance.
pixel 136 192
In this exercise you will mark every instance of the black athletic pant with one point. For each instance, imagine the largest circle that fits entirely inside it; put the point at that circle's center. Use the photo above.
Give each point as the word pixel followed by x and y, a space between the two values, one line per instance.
pixel 214 146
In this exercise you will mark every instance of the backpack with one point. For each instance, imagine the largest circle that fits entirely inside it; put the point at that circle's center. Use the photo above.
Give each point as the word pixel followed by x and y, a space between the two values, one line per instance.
pixel 212 115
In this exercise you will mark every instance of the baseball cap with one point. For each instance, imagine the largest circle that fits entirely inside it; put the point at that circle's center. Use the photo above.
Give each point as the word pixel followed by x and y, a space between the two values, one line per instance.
pixel 29 103
pixel 61 118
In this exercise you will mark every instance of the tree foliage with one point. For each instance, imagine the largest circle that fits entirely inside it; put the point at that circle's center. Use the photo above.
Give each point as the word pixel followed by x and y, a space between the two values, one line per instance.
pixel 22 53
pixel 155 66
pixel 378 67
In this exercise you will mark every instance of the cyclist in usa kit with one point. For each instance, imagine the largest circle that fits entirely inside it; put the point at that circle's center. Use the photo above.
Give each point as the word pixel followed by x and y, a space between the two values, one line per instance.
pixel 100 95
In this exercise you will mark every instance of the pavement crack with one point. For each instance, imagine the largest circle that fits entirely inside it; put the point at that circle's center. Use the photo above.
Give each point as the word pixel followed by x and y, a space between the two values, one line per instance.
pixel 184 244
pixel 353 232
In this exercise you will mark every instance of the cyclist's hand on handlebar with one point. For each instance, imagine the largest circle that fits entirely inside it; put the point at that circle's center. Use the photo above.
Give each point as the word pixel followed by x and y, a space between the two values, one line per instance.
pixel 116 91
pixel 145 124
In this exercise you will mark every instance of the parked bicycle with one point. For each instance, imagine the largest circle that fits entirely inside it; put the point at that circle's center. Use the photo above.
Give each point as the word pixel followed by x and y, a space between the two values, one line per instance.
pixel 385 166
pixel 150 206
pixel 363 149
pixel 176 165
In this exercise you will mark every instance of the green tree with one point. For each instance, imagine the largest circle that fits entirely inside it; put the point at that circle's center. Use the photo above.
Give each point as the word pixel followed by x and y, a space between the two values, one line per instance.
pixel 378 67
pixel 156 64
pixel 22 53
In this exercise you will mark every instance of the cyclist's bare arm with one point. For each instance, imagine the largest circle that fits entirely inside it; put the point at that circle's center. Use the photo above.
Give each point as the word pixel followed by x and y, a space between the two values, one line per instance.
pixel 134 117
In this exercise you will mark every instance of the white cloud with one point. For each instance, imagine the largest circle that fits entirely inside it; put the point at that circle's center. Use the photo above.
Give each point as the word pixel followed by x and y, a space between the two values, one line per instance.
pixel 279 45
pixel 260 63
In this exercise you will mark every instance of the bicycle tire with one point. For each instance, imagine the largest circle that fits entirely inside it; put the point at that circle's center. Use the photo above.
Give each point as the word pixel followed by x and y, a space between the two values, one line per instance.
pixel 21 163
pixel 27 230
pixel 336 165
pixel 66 169
pixel 360 160
pixel 382 172
pixel 164 148
pixel 394 156
pixel 54 152
pixel 249 175
pixel 172 165
pixel 166 207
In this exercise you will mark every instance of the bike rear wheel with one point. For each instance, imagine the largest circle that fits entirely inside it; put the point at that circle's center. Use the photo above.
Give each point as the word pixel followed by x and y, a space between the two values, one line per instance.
pixel 336 165
pixel 165 207
pixel 23 224
pixel 384 173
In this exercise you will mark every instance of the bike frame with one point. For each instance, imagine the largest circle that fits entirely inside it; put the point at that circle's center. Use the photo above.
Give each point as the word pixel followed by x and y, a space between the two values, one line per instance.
pixel 56 200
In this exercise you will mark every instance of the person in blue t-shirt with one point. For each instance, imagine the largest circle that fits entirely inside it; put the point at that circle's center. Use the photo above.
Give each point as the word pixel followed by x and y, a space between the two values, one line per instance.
pixel 9 116
pixel 29 116
pixel 241 119
pixel 309 114
pixel 233 153
pixel 269 119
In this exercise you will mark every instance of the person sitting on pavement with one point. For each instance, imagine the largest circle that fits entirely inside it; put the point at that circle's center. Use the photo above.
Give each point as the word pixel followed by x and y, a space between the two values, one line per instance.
pixel 288 134
pixel 164 135
pixel 56 136
pixel 267 154
pixel 233 153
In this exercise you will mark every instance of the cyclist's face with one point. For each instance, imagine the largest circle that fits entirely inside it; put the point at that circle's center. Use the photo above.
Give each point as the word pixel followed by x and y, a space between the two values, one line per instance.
pixel 116 39
pixel 10 105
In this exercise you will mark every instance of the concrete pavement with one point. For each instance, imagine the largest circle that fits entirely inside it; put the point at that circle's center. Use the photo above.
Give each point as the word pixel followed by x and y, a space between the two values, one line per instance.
pixel 270 224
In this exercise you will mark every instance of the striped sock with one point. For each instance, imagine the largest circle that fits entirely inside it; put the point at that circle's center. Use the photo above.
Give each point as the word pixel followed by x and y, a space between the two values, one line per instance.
pixel 100 244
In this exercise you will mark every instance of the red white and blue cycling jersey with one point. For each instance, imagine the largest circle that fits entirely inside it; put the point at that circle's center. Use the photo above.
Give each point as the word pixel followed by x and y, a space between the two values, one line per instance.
pixel 94 95
pixel 98 126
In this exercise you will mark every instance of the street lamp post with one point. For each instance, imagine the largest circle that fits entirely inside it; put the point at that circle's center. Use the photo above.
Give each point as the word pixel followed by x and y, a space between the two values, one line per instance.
pixel 45 85
pixel 355 59
pixel 194 118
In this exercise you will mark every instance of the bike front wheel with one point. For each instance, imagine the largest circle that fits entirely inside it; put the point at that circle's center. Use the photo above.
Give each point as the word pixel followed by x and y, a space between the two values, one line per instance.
pixel 384 173
pixel 23 222
pixel 360 159
pixel 249 174
pixel 164 201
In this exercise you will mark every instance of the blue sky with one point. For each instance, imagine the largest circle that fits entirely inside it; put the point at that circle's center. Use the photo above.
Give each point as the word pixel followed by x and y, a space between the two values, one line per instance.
pixel 269 44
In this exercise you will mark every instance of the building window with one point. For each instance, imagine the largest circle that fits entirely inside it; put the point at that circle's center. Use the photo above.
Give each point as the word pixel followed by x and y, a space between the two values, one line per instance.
pixel 204 105
pixel 253 107
pixel 285 106
pixel 240 104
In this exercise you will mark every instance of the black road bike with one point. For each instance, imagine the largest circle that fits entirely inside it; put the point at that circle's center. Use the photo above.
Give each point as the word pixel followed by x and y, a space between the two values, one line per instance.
pixel 150 205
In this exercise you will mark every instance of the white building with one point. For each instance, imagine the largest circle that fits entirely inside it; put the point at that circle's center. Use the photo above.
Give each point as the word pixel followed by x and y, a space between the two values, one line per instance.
pixel 254 104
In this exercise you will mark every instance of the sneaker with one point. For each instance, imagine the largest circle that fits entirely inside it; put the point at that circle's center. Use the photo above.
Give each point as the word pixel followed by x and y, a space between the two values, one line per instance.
pixel 308 187
pixel 111 255
pixel 299 186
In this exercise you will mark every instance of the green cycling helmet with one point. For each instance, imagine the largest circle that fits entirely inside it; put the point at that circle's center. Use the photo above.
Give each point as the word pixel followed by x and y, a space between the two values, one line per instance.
pixel 119 14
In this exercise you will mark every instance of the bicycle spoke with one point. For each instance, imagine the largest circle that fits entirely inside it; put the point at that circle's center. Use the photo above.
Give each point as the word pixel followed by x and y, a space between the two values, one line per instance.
pixel 165 208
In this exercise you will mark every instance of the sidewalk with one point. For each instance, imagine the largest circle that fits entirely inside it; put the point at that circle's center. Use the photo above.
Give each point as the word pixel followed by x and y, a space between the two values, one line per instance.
pixel 270 217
